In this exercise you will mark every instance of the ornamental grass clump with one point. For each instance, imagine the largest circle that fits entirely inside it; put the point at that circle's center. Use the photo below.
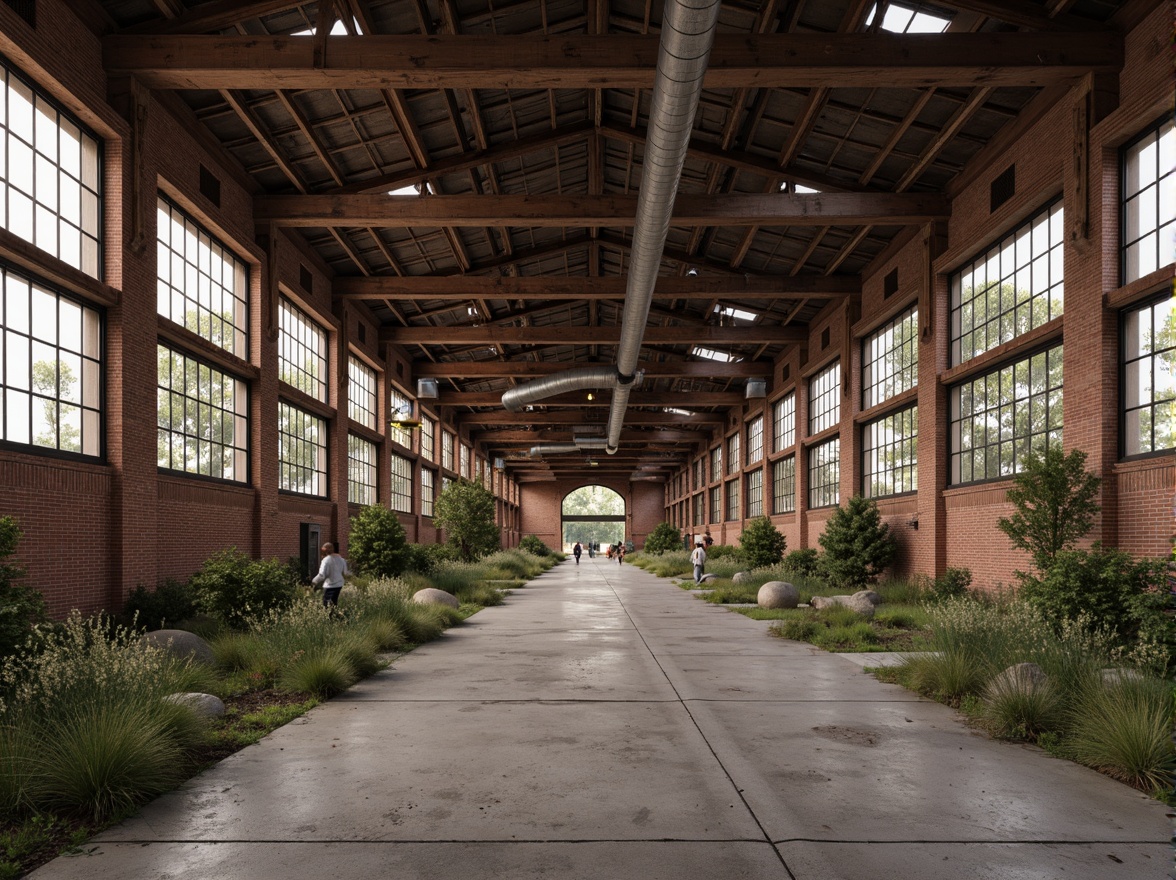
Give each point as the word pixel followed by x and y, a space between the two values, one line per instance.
pixel 391 599
pixel 87 728
pixel 1124 729
pixel 322 671
pixel 1019 706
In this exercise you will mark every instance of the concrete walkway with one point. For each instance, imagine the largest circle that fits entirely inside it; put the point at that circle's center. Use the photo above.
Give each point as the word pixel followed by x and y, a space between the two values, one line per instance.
pixel 605 724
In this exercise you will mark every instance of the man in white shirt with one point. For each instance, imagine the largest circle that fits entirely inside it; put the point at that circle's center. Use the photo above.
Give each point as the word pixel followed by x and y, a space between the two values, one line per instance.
pixel 331 573
pixel 698 558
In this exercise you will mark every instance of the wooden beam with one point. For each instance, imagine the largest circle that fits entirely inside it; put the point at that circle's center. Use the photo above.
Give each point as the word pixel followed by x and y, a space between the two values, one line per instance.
pixel 502 438
pixel 466 287
pixel 572 210
pixel 568 335
pixel 533 370
pixel 579 399
pixel 528 61
pixel 214 16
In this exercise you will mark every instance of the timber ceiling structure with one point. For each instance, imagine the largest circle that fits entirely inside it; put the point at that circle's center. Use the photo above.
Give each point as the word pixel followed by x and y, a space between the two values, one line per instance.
pixel 469 169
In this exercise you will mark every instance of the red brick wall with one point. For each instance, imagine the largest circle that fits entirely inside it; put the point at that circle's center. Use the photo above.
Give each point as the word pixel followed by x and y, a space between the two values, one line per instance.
pixel 541 506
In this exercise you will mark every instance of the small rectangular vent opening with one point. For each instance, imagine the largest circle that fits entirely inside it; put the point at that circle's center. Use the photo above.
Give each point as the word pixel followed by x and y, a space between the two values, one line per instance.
pixel 362 333
pixel 787 372
pixel 306 279
pixel 26 9
pixel 890 284
pixel 825 338
pixel 209 186
pixel 1002 188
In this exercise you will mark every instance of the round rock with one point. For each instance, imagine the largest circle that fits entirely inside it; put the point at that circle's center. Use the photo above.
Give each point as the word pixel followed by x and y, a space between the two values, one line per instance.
pixel 181 643
pixel 820 602
pixel 874 598
pixel 742 577
pixel 1019 678
pixel 204 705
pixel 431 596
pixel 778 594
pixel 861 604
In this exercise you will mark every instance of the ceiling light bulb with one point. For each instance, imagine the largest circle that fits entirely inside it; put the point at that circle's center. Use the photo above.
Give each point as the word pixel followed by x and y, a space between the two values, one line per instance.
pixel 591 396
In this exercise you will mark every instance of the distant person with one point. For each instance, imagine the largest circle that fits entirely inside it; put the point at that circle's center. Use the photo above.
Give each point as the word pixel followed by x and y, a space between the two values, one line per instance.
pixel 620 554
pixel 698 560
pixel 707 539
pixel 331 573
pixel 576 551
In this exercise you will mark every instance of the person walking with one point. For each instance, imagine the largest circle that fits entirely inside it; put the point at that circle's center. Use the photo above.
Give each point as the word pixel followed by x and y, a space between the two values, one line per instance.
pixel 698 559
pixel 620 554
pixel 576 551
pixel 331 573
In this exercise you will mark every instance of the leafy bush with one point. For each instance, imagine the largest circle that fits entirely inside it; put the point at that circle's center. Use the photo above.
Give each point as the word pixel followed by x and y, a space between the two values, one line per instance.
pixel 762 543
pixel 858 545
pixel 165 607
pixel 1115 591
pixel 21 606
pixel 377 545
pixel 664 537
pixel 531 544
pixel 952 584
pixel 1054 496
pixel 804 561
pixel 465 510
pixel 233 587
pixel 716 552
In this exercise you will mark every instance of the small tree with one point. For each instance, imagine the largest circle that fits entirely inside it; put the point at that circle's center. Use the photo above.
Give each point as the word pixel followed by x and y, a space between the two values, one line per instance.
pixel 534 545
pixel 21 606
pixel 466 511
pixel 1054 496
pixel 233 587
pixel 377 545
pixel 664 537
pixel 762 543
pixel 858 545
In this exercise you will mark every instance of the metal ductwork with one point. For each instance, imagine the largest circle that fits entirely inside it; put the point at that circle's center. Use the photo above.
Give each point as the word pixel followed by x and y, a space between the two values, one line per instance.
pixel 688 29
pixel 578 444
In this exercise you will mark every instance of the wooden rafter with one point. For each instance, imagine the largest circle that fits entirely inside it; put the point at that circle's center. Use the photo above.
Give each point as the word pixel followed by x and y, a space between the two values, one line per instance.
pixel 566 334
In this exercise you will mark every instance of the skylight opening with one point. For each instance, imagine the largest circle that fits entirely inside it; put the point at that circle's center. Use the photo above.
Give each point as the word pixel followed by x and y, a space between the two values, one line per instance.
pixel 900 19
pixel 338 29
pixel 798 188
pixel 678 412
pixel 412 189
pixel 711 354
pixel 738 314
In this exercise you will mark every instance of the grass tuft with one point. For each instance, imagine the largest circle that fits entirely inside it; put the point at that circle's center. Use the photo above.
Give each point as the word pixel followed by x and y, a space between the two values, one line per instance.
pixel 1125 731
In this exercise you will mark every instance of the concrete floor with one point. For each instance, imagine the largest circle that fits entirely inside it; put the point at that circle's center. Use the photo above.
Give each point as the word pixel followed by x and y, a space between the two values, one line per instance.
pixel 605 724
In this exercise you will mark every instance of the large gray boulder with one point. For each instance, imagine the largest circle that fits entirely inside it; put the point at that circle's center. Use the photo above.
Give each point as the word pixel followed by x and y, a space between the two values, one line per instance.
pixel 1020 677
pixel 742 577
pixel 861 604
pixel 778 594
pixel 181 643
pixel 431 596
pixel 874 598
pixel 820 602
pixel 204 705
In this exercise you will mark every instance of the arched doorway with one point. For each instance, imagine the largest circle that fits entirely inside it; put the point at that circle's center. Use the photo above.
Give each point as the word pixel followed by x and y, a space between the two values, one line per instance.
pixel 592 514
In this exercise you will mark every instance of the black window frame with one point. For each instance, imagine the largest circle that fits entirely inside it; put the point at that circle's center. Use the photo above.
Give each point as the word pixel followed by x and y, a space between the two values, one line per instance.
pixel 780 478
pixel 1152 130
pixel 906 474
pixel 1149 303
pixel 814 468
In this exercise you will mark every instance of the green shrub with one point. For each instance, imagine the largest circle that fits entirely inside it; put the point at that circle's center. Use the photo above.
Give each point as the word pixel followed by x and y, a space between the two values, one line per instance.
pixel 1115 591
pixel 1054 496
pixel 805 561
pixel 762 543
pixel 465 510
pixel 168 605
pixel 1125 730
pixel 715 552
pixel 858 545
pixel 377 545
pixel 232 587
pixel 531 544
pixel 385 633
pixel 419 559
pixel 21 606
pixel 952 584
pixel 664 537
pixel 670 564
